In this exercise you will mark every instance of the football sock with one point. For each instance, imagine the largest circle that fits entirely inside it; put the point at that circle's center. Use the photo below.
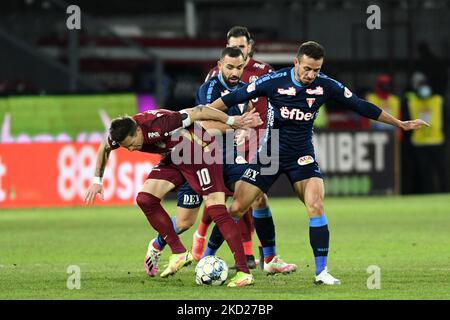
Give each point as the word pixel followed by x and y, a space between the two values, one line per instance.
pixel 261 255
pixel 228 229
pixel 215 241
pixel 265 229
pixel 319 237
pixel 159 220
pixel 248 248
pixel 160 243
pixel 245 227
pixel 204 223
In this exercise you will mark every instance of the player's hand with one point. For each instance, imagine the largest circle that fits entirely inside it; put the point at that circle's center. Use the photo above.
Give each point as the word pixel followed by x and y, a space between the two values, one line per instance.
pixel 92 192
pixel 413 124
pixel 249 119
pixel 241 135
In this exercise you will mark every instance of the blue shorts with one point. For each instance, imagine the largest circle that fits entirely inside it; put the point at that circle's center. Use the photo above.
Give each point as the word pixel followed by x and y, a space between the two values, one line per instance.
pixel 189 199
pixel 296 168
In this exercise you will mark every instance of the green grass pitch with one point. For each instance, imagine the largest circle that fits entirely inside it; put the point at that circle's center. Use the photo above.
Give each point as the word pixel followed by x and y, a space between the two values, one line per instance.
pixel 408 238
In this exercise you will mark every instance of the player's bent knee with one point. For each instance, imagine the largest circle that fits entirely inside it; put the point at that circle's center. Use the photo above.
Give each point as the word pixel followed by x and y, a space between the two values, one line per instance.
pixel 237 210
pixel 315 208
pixel 146 201
pixel 261 202
pixel 215 198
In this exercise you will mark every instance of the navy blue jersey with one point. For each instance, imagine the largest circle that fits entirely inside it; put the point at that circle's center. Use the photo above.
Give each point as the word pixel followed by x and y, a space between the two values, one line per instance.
pixel 216 88
pixel 293 107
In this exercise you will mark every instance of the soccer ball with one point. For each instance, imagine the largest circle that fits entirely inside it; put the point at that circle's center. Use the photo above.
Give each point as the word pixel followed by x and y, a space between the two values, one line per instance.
pixel 211 271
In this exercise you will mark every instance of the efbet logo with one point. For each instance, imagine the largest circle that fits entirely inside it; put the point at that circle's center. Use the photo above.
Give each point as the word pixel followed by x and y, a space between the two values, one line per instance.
pixel 296 114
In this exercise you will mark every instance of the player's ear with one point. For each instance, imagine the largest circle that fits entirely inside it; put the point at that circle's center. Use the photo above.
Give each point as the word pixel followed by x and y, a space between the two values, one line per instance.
pixel 296 61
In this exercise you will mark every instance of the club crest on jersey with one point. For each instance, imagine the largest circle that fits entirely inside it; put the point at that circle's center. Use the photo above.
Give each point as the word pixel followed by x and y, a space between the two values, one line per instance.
pixel 288 92
pixel 317 91
pixel 347 93
pixel 253 78
pixel 310 101
pixel 251 87
pixel 303 161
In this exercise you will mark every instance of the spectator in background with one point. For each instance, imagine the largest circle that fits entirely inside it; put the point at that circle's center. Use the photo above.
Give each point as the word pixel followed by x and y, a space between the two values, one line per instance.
pixel 432 67
pixel 383 97
pixel 428 144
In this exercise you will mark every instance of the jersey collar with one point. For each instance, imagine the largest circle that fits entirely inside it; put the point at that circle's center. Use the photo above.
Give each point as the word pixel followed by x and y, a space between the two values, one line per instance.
pixel 297 83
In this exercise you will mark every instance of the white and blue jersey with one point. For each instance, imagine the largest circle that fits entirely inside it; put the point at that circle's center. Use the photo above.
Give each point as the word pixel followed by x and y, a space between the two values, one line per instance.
pixel 211 90
pixel 292 109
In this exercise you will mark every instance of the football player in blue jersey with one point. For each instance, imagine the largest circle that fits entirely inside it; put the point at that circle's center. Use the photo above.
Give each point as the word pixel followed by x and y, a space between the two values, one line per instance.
pixel 295 95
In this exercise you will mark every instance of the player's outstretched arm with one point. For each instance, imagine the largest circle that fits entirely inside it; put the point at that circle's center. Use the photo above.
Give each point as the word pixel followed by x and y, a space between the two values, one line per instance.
pixel 201 113
pixel 404 125
pixel 97 185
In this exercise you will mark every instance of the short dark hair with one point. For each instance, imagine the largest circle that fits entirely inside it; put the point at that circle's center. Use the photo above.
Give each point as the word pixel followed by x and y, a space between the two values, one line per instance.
pixel 122 127
pixel 311 49
pixel 238 31
pixel 252 51
pixel 232 52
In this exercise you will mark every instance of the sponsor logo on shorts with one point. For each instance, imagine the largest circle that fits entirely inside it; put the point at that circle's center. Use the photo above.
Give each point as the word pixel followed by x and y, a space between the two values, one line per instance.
pixel 303 161
pixel 191 199
pixel 251 174
pixel 296 114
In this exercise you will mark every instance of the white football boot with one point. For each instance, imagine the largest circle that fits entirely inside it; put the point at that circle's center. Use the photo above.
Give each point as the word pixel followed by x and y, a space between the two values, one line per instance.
pixel 279 266
pixel 151 259
pixel 325 278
